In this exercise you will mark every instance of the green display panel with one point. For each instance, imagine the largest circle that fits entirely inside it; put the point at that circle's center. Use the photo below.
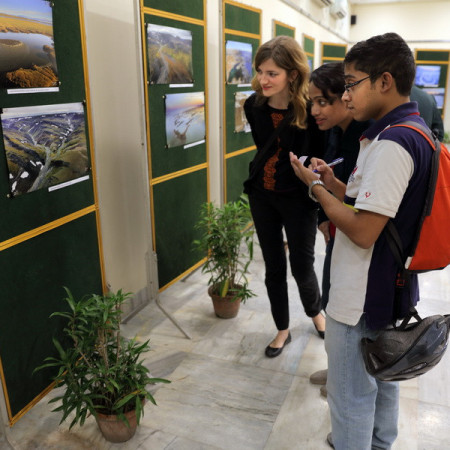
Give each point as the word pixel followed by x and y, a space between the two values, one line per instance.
pixel 176 210
pixel 239 23
pixel 236 140
pixel 241 19
pixel 237 173
pixel 433 55
pixel 31 210
pixel 280 29
pixel 32 278
pixel 440 60
pixel 308 45
pixel 166 160
pixel 175 67
pixel 53 137
pixel 333 52
pixel 191 8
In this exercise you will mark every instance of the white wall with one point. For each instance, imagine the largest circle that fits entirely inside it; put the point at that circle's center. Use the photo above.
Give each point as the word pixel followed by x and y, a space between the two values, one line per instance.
pixel 116 95
pixel 114 63
pixel 424 25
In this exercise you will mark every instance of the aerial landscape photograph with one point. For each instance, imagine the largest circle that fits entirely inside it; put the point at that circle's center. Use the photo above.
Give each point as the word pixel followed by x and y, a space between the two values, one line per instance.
pixel 27 49
pixel 44 145
pixel 239 58
pixel 169 55
pixel 185 118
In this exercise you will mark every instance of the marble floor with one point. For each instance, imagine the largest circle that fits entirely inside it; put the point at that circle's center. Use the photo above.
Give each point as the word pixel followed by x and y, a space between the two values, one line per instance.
pixel 225 394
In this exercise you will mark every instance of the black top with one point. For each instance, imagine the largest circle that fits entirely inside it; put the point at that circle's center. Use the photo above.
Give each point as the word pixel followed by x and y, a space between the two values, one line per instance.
pixel 345 145
pixel 277 174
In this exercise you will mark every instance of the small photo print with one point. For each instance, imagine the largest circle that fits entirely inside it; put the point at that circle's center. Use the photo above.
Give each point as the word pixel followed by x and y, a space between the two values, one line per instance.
pixel 169 55
pixel 44 145
pixel 185 118
pixel 238 62
pixel 240 119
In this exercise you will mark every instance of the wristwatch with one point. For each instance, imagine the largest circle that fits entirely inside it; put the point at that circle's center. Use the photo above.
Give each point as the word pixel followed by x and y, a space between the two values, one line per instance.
pixel 312 184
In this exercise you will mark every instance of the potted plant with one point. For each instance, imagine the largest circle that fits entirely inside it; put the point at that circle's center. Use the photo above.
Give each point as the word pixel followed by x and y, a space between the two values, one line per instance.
pixel 227 243
pixel 102 373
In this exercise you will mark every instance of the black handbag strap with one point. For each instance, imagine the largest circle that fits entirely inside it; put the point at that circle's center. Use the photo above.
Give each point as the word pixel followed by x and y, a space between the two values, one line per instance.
pixel 403 275
pixel 260 157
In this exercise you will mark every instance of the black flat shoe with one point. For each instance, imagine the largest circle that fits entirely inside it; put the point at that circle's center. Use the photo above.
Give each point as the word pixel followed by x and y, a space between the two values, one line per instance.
pixel 319 332
pixel 271 352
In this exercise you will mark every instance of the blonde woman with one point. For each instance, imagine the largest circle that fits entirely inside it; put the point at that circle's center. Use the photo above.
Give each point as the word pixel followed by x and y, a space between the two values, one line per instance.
pixel 279 121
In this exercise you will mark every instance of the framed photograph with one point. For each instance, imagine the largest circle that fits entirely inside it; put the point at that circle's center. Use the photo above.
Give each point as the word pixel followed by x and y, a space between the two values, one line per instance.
pixel 185 118
pixel 240 120
pixel 169 55
pixel 427 76
pixel 44 145
pixel 27 49
pixel 239 57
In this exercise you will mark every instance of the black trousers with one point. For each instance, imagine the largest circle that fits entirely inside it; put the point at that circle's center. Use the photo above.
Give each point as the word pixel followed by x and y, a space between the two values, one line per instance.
pixel 271 213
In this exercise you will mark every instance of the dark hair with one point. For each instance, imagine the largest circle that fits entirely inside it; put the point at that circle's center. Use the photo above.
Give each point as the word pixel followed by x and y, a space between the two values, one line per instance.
pixel 288 55
pixel 329 78
pixel 385 53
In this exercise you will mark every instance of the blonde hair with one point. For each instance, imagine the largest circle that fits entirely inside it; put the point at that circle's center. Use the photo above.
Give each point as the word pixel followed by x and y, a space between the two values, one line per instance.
pixel 288 55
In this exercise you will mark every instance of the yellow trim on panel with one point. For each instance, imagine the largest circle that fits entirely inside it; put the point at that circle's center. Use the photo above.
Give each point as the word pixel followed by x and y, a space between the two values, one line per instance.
pixel 5 391
pixel 187 272
pixel 47 227
pixel 427 61
pixel 147 121
pixel 224 109
pixel 30 405
pixel 91 140
pixel 179 173
pixel 172 16
pixel 242 33
pixel 240 152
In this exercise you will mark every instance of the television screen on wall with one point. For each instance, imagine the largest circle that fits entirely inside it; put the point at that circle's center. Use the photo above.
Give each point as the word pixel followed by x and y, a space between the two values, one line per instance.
pixel 438 94
pixel 428 76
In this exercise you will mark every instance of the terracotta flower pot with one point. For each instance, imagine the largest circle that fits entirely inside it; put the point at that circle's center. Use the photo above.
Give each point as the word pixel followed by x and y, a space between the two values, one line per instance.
pixel 224 307
pixel 114 429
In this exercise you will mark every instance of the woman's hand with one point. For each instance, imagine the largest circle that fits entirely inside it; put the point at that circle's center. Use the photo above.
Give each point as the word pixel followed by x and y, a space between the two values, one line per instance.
pixel 324 227
pixel 318 169
pixel 305 174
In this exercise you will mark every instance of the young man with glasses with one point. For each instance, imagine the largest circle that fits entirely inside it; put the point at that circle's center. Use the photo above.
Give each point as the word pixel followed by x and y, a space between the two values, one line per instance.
pixel 326 87
pixel 389 182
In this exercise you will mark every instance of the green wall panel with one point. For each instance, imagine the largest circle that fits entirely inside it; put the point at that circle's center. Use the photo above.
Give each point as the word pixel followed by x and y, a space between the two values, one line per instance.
pixel 167 160
pixel 237 173
pixel 32 278
pixel 176 210
pixel 281 30
pixel 308 45
pixel 334 51
pixel 242 19
pixel 37 208
pixel 424 55
pixel 189 8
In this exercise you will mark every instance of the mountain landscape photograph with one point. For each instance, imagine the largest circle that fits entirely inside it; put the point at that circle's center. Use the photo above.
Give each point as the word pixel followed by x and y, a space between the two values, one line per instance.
pixel 169 55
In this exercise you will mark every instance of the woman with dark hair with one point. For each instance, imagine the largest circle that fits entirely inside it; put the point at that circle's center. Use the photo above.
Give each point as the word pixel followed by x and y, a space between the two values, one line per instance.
pixel 279 121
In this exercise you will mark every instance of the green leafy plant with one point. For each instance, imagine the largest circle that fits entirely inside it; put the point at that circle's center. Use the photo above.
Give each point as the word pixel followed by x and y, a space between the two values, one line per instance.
pixel 102 372
pixel 446 139
pixel 227 243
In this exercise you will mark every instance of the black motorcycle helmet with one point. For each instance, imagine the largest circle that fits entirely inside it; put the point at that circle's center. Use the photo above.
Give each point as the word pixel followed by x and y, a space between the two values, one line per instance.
pixel 407 351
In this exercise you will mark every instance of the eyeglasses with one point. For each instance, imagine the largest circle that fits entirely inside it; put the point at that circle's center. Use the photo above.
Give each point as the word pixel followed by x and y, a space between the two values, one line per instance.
pixel 347 87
